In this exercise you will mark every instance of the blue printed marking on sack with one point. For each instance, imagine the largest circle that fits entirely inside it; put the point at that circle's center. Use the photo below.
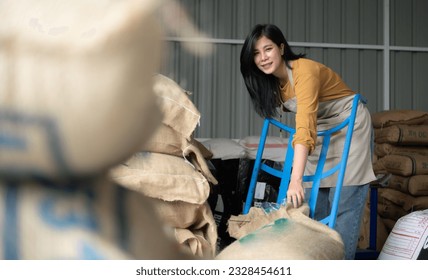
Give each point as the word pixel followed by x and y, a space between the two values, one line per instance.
pixel 89 252
pixel 19 140
pixel 10 230
pixel 84 218
pixel 74 217
pixel 12 142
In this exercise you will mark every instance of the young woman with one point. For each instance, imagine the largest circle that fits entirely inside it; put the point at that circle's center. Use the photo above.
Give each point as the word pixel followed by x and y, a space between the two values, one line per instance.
pixel 278 78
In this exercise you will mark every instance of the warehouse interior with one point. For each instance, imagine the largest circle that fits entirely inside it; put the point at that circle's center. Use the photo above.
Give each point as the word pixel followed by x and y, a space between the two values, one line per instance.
pixel 378 47
pixel 127 130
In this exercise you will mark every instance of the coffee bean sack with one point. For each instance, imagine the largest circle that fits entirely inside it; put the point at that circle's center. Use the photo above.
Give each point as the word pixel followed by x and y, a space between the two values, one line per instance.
pixel 171 169
pixel 76 98
pixel 75 84
pixel 406 201
pixel 384 149
pixel 178 110
pixel 168 141
pixel 381 230
pixel 179 192
pixel 394 117
pixel 162 176
pixel 193 225
pixel 389 210
pixel 86 219
pixel 286 233
pixel 402 164
pixel 416 185
pixel 403 135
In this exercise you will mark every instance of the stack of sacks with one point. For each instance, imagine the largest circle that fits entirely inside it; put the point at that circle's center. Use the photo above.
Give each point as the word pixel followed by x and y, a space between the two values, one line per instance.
pixel 401 154
pixel 286 233
pixel 172 169
pixel 74 78
pixel 381 230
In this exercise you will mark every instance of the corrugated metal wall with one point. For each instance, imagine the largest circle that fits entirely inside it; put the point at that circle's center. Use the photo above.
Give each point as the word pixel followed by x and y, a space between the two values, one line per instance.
pixel 409 69
pixel 354 37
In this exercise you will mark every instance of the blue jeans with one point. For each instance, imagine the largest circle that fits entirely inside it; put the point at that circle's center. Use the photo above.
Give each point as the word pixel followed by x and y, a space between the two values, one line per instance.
pixel 350 212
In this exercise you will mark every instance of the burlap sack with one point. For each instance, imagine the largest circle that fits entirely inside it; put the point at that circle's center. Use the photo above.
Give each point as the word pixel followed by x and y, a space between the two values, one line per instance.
pixel 416 185
pixel 419 203
pixel 384 149
pixel 286 233
pixel 404 200
pixel 76 91
pixel 404 165
pixel 389 224
pixel 162 176
pixel 399 183
pixel 388 209
pixel 168 141
pixel 194 225
pixel 381 231
pixel 403 135
pixel 86 219
pixel 178 110
pixel 393 117
pixel 393 196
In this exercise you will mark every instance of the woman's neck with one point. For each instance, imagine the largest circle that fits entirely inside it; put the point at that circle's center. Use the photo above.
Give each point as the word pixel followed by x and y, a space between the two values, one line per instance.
pixel 282 75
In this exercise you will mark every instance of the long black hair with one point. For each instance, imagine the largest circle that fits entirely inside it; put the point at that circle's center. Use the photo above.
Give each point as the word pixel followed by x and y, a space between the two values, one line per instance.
pixel 264 89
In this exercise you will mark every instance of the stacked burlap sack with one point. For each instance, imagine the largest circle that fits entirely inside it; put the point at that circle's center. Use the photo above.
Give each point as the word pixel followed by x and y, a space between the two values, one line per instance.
pixel 281 233
pixel 172 170
pixel 401 163
pixel 76 99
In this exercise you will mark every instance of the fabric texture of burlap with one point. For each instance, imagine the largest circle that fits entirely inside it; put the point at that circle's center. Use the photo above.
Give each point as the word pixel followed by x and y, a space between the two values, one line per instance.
pixel 171 169
pixel 167 140
pixel 404 200
pixel 193 224
pixel 162 176
pixel 381 230
pixel 384 149
pixel 286 233
pixel 178 110
pixel 79 96
pixel 394 117
pixel 416 185
pixel 403 165
pixel 86 219
pixel 63 71
pixel 410 135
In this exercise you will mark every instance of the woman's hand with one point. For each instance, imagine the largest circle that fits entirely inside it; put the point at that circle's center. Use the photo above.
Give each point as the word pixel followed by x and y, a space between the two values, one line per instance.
pixel 295 193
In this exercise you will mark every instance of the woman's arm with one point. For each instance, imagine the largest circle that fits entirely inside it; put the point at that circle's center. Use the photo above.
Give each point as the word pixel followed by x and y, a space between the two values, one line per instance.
pixel 295 193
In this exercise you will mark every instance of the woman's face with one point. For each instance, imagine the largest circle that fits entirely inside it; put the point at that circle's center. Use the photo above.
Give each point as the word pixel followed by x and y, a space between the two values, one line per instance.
pixel 267 56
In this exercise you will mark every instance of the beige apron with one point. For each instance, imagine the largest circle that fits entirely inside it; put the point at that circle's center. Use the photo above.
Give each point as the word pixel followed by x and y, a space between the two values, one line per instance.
pixel 359 169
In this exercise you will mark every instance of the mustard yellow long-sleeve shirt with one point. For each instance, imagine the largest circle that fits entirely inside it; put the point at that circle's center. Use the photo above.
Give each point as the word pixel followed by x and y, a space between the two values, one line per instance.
pixel 313 82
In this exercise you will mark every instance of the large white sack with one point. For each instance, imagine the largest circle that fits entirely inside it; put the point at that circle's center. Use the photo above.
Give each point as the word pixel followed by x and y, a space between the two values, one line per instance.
pixel 408 239
pixel 76 91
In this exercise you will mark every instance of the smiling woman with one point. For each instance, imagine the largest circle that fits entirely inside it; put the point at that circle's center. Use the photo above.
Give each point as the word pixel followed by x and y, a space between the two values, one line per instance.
pixel 275 78
pixel 268 57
